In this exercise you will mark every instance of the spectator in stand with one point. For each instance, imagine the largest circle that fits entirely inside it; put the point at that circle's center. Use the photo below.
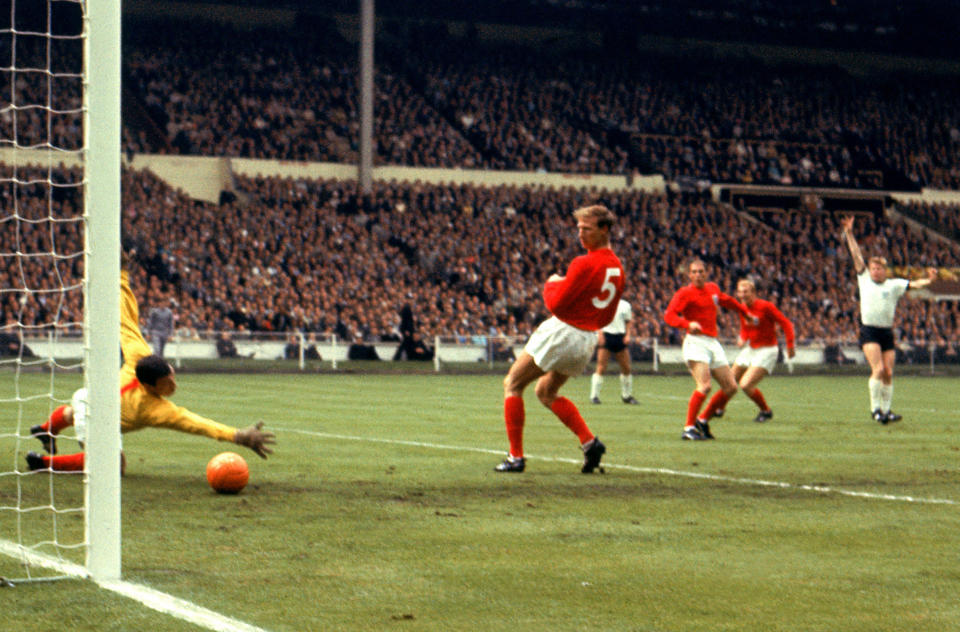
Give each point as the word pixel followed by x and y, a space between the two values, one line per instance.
pixel 225 346
pixel 160 325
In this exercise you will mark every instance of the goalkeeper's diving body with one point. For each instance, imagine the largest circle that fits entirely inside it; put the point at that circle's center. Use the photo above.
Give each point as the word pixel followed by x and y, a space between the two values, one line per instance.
pixel 146 381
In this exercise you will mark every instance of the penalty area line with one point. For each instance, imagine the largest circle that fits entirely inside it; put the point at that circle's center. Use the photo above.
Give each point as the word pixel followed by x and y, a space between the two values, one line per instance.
pixel 153 599
pixel 819 489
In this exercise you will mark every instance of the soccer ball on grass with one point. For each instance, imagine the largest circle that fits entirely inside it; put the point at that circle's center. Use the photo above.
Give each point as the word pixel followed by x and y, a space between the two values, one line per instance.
pixel 227 473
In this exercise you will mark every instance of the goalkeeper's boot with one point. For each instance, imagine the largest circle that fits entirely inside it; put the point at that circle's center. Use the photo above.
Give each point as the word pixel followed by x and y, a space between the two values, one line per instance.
pixel 35 461
pixel 890 417
pixel 764 415
pixel 48 440
pixel 703 426
pixel 630 399
pixel 512 464
pixel 592 453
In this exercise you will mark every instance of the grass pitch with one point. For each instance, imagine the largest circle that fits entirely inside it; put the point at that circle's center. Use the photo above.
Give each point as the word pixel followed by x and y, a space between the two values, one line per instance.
pixel 381 511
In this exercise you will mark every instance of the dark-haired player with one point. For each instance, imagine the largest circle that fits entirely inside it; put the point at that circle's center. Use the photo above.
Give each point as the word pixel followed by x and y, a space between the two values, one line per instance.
pixel 147 380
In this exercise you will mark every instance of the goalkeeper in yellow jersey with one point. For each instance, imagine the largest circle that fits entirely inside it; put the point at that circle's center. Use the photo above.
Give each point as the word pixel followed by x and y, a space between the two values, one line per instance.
pixel 146 381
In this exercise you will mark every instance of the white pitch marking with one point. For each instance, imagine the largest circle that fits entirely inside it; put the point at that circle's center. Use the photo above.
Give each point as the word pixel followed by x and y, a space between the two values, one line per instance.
pixel 153 599
pixel 822 489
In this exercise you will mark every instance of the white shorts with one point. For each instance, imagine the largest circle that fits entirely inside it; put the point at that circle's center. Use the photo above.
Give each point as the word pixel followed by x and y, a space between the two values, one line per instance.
pixel 763 357
pixel 557 346
pixel 698 348
pixel 79 404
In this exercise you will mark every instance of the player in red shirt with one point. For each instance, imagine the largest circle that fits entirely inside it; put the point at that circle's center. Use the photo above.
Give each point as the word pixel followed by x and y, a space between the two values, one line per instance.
pixel 694 309
pixel 582 301
pixel 759 356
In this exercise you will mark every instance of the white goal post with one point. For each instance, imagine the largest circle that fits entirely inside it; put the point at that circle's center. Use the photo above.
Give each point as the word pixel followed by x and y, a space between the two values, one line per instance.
pixel 102 54
pixel 59 117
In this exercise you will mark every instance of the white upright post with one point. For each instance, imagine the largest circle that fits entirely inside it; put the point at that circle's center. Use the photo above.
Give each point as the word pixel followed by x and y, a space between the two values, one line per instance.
pixel 301 363
pixel 102 297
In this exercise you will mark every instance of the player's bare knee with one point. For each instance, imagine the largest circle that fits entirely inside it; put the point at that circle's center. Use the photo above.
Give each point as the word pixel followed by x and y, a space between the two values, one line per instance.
pixel 546 394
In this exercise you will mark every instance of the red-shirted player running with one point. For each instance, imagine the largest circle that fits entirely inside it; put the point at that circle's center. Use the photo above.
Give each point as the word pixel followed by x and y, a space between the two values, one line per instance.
pixel 759 342
pixel 694 309
pixel 581 302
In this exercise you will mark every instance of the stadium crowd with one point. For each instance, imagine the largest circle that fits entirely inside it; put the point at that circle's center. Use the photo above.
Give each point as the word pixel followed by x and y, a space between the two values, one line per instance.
pixel 456 102
pixel 317 256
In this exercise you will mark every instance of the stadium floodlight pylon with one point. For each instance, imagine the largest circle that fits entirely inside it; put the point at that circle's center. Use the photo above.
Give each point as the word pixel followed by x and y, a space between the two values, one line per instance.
pixel 61 67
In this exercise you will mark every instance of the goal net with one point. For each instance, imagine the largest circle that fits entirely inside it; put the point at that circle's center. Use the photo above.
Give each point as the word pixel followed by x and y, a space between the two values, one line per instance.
pixel 59 284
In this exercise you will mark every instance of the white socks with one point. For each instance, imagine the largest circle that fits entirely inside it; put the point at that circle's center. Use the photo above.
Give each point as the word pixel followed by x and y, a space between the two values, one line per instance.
pixel 875 386
pixel 626 385
pixel 886 397
pixel 595 381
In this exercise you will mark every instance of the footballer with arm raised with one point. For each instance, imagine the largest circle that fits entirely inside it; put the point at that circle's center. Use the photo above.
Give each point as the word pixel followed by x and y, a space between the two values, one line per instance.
pixel 878 301
pixel 582 301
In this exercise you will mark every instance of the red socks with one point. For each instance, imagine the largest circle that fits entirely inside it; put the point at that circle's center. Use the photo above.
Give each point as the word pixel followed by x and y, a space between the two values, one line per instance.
pixel 57 421
pixel 514 415
pixel 757 397
pixel 696 401
pixel 65 462
pixel 570 416
pixel 717 401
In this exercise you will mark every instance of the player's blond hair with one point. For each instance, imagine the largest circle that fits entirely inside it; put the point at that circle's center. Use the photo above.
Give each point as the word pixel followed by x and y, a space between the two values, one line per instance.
pixel 604 216
pixel 877 259
pixel 748 282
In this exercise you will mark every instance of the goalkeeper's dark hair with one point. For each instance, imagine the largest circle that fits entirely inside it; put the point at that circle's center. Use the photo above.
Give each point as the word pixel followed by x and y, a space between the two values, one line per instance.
pixel 151 368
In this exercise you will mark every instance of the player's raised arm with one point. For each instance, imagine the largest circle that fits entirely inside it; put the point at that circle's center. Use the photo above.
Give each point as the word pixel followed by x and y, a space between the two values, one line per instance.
pixel 932 275
pixel 858 263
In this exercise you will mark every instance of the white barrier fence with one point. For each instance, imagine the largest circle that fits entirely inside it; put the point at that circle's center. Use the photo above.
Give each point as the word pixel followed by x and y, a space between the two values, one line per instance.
pixel 441 350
